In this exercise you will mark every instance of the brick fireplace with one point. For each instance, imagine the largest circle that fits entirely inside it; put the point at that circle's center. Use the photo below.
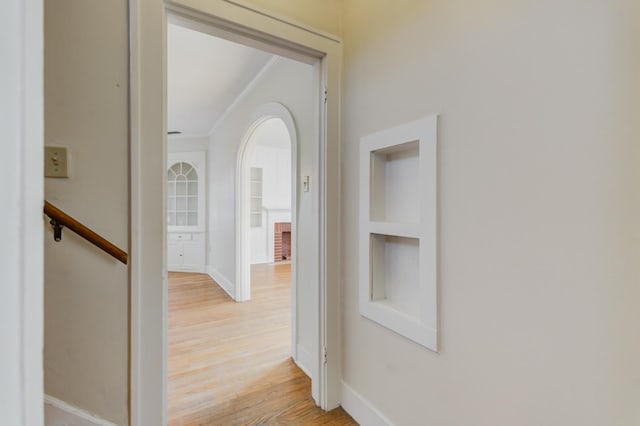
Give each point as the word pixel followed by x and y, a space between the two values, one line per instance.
pixel 281 241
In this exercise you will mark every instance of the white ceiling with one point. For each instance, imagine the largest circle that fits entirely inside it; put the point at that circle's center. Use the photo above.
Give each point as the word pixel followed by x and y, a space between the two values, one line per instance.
pixel 205 75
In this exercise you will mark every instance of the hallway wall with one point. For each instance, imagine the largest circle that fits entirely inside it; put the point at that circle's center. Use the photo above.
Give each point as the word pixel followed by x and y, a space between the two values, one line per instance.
pixel 86 291
pixel 187 143
pixel 539 200
pixel 325 15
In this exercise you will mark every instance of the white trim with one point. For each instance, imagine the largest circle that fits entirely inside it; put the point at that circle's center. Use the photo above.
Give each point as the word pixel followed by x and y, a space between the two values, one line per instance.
pixel 71 410
pixel 361 409
pixel 243 94
pixel 148 240
pixel 222 281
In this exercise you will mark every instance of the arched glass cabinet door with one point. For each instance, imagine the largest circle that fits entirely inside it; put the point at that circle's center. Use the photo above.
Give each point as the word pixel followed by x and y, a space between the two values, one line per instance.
pixel 185 192
pixel 182 195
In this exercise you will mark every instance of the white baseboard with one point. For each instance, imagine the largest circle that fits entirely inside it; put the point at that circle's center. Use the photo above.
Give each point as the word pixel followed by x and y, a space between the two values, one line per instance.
pixel 303 360
pixel 360 409
pixel 222 281
pixel 59 413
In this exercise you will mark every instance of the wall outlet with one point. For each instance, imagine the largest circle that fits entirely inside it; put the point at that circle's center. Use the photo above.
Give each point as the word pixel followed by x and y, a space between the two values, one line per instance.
pixel 55 162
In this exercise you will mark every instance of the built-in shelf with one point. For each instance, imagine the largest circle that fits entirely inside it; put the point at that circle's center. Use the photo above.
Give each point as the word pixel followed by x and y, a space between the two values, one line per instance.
pixel 395 175
pixel 398 237
pixel 395 272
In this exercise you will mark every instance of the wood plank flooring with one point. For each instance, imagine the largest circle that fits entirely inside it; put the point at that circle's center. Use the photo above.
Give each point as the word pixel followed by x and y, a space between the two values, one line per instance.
pixel 229 363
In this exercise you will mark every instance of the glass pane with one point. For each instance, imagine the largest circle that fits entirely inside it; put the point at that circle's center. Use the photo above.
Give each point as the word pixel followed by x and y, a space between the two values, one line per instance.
pixel 171 203
pixel 192 219
pixel 193 188
pixel 193 204
pixel 181 178
pixel 181 203
pixel 171 219
pixel 170 175
pixel 181 188
pixel 184 168
pixel 256 173
pixel 256 189
pixel 192 175
pixel 176 168
pixel 181 219
pixel 171 189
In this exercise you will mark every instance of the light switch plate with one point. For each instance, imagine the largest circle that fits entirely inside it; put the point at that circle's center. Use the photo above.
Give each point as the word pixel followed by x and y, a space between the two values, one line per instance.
pixel 55 162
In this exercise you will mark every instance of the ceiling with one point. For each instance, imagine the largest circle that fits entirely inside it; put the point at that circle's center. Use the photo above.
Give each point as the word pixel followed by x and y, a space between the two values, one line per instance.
pixel 205 75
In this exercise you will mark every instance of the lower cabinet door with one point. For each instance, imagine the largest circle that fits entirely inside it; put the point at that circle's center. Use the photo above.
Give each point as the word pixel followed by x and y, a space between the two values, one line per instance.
pixel 174 256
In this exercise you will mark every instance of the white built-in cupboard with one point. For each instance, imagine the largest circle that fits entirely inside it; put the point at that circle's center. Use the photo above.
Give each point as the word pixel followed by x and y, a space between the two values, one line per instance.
pixel 186 221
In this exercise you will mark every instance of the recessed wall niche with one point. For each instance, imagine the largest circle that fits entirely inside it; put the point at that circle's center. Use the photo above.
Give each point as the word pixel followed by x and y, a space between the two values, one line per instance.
pixel 398 226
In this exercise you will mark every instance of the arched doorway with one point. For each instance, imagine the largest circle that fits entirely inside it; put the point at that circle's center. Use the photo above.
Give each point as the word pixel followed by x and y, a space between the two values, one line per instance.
pixel 305 321
pixel 274 120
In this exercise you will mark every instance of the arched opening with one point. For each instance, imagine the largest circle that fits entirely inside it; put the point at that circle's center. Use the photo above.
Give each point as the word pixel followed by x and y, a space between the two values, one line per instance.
pixel 269 162
pixel 270 136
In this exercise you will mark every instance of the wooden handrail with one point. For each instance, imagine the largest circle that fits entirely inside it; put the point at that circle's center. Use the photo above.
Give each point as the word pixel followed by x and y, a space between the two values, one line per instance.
pixel 60 218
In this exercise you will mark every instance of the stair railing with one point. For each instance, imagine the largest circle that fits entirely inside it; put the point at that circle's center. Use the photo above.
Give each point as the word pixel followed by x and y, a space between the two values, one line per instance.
pixel 60 219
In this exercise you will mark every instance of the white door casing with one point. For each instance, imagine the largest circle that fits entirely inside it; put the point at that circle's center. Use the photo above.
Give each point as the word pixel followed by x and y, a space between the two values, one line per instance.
pixel 148 218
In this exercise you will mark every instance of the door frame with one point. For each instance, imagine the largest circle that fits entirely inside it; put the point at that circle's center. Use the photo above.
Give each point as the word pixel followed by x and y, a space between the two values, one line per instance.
pixel 148 275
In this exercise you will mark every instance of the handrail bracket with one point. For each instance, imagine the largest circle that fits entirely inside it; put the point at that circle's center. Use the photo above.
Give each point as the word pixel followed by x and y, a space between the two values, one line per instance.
pixel 60 219
pixel 57 230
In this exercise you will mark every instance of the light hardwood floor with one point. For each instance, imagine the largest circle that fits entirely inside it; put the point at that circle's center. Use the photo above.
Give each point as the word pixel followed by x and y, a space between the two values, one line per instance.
pixel 229 363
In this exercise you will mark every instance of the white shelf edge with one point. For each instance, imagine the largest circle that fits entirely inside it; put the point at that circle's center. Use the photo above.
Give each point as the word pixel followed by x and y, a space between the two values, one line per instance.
pixel 408 230
pixel 401 323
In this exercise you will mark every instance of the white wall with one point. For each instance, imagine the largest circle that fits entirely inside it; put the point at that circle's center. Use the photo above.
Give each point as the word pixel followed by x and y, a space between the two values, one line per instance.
pixel 187 143
pixel 292 84
pixel 324 15
pixel 86 291
pixel 539 191
pixel 271 153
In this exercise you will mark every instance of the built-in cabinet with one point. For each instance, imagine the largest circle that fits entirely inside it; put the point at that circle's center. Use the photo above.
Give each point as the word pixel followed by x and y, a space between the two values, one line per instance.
pixel 398 230
pixel 186 221
pixel 185 252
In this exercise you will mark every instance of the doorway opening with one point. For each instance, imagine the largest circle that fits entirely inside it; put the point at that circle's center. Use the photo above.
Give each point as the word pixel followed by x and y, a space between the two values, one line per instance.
pixel 267 196
pixel 267 168
pixel 149 99
pixel 220 104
